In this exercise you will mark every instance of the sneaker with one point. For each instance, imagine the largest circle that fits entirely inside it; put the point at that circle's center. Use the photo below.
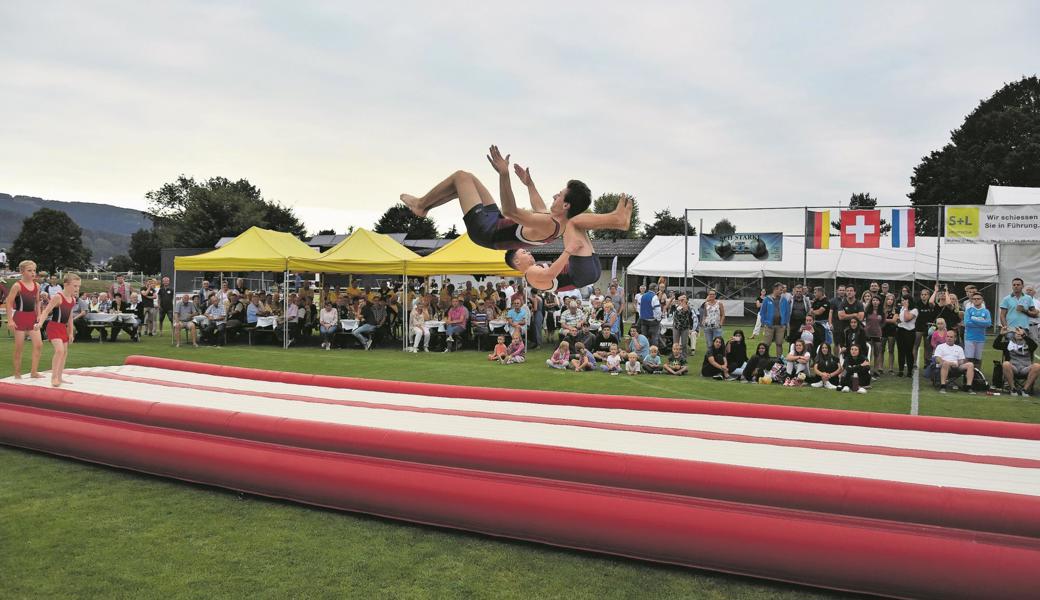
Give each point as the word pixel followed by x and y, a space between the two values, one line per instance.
pixel 449 339
pixel 426 349
pixel 862 390
pixel 718 377
pixel 971 392
pixel 830 386
pixel 942 389
pixel 846 389
pixel 368 344
pixel 818 384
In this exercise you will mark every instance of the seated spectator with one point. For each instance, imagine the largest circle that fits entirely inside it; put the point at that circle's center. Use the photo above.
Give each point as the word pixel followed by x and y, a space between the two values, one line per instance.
pixel 856 370
pixel 572 323
pixel 518 317
pixel 479 322
pixel 760 364
pixel 417 322
pixel 676 364
pixel 714 364
pixel 854 335
pixel 328 324
pixel 236 313
pixel 79 316
pixel 1018 349
pixel 515 353
pixel 612 361
pixel 826 369
pixel 602 343
pixel 736 354
pixel 796 363
pixel 652 362
pixel 120 306
pixel 500 351
pixel 384 317
pixel 638 343
pixel 184 317
pixel 561 357
pixel 366 324
pixel 812 333
pixel 216 320
pixel 456 322
pixel 632 366
pixel 949 357
pixel 582 359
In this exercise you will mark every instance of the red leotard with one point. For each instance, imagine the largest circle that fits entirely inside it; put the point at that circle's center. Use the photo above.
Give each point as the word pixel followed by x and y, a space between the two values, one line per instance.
pixel 57 328
pixel 25 301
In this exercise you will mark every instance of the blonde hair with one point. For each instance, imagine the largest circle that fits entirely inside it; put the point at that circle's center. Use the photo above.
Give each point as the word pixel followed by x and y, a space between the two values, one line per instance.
pixel 69 277
pixel 940 321
pixel 565 344
pixel 25 265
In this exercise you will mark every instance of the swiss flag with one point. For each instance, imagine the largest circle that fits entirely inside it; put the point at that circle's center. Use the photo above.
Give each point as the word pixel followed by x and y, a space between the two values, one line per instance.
pixel 860 228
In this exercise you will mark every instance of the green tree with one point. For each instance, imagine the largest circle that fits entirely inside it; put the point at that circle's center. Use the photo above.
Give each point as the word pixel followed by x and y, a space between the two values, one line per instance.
pixel 196 215
pixel 326 232
pixel 52 239
pixel 666 224
pixel 998 144
pixel 121 263
pixel 400 219
pixel 607 203
pixel 862 202
pixel 146 251
pixel 451 233
pixel 724 227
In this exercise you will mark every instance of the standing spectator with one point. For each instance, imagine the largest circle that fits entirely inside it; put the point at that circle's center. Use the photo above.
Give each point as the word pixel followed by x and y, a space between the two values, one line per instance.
pixel 758 313
pixel 873 324
pixel 774 328
pixel 165 299
pixel 611 318
pixel 617 296
pixel 637 300
pixel 202 299
pixel 835 302
pixel 905 336
pixel 367 324
pixel 949 357
pixel 1018 349
pixel 1017 308
pixel 849 308
pixel 650 315
pixel 537 307
pixel 682 324
pixel 821 310
pixel 149 308
pixel 712 317
pixel 889 332
pixel 120 287
pixel 3 260
pixel 977 319
pixel 552 306
pixel 52 286
pixel 801 306
pixel 948 308
pixel 925 319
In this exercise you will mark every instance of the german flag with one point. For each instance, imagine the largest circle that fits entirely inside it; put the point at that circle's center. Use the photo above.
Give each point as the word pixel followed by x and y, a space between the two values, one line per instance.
pixel 818 229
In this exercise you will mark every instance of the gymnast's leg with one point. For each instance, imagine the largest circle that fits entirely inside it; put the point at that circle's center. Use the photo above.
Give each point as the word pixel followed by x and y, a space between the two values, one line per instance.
pixel 460 184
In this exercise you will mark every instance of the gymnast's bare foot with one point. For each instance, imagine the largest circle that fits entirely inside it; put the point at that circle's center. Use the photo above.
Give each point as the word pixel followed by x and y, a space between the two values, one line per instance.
pixel 36 376
pixel 66 381
pixel 17 376
pixel 55 383
pixel 414 204
pixel 623 211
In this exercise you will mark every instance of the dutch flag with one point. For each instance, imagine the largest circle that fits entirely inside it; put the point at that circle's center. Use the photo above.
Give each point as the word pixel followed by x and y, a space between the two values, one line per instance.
pixel 902 228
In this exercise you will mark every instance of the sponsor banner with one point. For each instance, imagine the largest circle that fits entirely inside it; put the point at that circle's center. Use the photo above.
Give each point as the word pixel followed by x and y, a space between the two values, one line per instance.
pixel 993 224
pixel 742 247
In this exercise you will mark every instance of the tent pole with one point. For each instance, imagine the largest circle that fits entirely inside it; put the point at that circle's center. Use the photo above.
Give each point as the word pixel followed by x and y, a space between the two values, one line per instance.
pixel 938 238
pixel 686 246
pixel 805 251
pixel 285 309
pixel 403 308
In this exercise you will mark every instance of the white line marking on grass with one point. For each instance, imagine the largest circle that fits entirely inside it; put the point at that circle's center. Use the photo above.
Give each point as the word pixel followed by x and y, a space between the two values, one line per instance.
pixel 915 390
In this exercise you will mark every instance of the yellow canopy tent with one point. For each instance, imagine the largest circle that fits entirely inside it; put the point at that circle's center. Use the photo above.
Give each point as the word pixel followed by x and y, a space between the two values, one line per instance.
pixel 462 257
pixel 255 249
pixel 363 252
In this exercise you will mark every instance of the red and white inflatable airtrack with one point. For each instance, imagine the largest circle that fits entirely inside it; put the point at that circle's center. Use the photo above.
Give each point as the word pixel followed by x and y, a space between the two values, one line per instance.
pixel 900 506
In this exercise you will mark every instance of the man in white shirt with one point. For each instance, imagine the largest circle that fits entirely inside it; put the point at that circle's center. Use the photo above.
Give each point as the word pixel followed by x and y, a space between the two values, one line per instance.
pixel 509 290
pixel 3 259
pixel 950 357
pixel 1034 322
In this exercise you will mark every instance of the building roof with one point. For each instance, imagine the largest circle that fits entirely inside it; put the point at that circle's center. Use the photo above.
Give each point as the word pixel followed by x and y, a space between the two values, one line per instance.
pixel 622 248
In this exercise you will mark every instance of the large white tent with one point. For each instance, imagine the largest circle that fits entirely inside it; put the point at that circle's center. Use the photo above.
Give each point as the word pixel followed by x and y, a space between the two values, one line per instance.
pixel 958 262
pixel 1016 260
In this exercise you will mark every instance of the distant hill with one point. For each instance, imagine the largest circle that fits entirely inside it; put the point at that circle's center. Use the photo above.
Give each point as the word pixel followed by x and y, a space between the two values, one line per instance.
pixel 106 228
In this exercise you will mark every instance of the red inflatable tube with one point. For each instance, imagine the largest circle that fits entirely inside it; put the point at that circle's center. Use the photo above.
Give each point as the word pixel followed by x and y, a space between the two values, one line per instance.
pixel 835 552
pixel 947 507
pixel 707 407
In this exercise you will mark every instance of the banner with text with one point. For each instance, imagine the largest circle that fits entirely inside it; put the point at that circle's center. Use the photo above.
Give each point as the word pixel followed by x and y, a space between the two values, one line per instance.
pixel 742 247
pixel 993 224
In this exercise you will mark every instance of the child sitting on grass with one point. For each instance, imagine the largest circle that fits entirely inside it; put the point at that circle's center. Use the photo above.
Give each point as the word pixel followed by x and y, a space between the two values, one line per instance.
pixel 561 358
pixel 515 351
pixel 652 364
pixel 582 359
pixel 499 353
pixel 612 364
pixel 676 364
pixel 632 367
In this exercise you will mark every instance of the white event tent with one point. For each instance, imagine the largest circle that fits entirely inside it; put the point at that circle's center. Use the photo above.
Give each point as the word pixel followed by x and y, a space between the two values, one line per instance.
pixel 1016 260
pixel 958 262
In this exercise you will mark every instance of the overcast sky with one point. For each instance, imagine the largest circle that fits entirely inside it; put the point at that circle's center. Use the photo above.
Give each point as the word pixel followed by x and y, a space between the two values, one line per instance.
pixel 335 108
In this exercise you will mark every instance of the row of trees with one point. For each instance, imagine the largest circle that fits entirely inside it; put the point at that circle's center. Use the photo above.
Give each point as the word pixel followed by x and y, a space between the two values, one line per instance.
pixel 997 144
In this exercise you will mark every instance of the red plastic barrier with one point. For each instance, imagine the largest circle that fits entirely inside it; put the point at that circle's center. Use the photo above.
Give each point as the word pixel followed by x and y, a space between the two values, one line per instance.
pixel 708 407
pixel 835 552
pixel 948 507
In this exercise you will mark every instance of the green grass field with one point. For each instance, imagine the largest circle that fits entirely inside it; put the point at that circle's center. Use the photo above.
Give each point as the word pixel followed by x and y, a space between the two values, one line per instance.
pixel 70 529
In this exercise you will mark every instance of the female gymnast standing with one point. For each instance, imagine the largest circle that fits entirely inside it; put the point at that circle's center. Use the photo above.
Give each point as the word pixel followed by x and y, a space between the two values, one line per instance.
pixel 58 316
pixel 23 308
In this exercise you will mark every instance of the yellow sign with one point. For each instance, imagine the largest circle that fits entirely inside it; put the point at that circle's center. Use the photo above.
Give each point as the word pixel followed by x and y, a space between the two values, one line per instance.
pixel 962 221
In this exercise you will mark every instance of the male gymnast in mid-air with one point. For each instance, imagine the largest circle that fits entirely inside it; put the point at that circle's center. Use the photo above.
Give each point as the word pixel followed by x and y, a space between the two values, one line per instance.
pixel 515 229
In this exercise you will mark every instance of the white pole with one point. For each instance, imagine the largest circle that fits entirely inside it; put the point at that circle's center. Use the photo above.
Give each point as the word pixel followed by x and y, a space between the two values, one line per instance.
pixel 404 310
pixel 285 309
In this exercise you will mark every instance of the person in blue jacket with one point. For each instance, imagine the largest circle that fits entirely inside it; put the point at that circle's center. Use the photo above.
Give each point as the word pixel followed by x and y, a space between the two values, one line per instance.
pixel 977 319
pixel 775 313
